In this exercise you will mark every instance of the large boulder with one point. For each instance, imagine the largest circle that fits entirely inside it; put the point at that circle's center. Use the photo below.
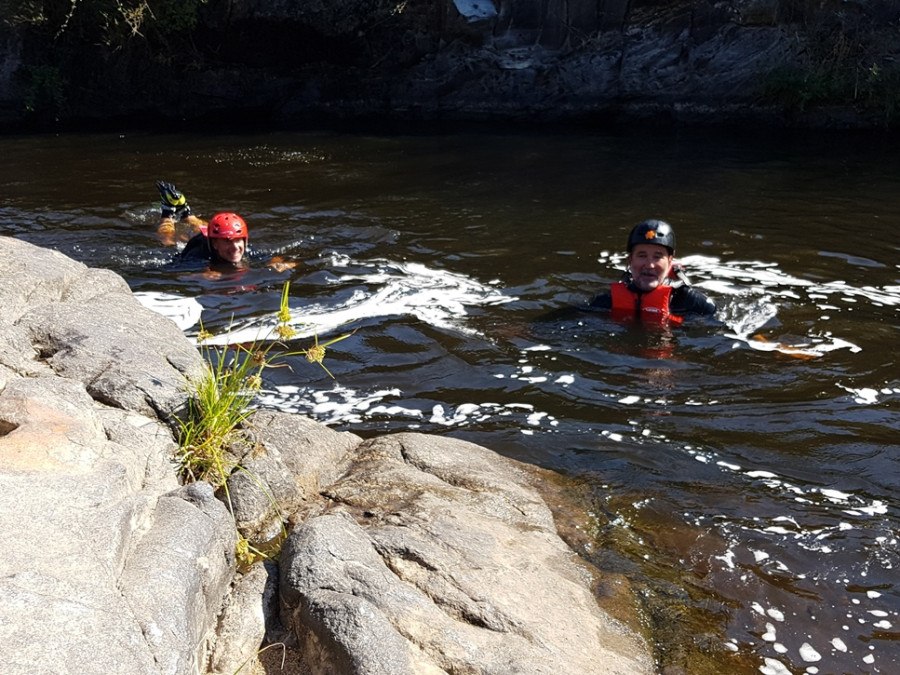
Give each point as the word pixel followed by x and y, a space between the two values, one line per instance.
pixel 437 557
pixel 176 579
pixel 86 325
pixel 108 564
pixel 249 615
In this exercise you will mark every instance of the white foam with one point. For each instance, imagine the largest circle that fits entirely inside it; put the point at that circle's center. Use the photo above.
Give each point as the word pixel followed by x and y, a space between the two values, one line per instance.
pixel 185 312
pixel 776 614
pixel 863 396
pixel 773 667
pixel 535 418
pixel 395 411
pixel 756 288
pixel 761 474
pixel 877 507
pixel 835 495
pixel 436 297
pixel 809 654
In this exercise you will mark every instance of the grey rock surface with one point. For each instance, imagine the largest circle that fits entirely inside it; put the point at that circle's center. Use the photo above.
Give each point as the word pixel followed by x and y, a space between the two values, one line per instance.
pixel 106 561
pixel 183 562
pixel 290 459
pixel 248 613
pixel 408 553
pixel 438 556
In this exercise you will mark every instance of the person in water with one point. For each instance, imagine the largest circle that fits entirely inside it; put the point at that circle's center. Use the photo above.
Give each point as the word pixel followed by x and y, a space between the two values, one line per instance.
pixel 653 288
pixel 222 241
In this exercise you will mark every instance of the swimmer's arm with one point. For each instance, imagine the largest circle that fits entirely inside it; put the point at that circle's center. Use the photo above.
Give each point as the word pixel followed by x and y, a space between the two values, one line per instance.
pixel 279 264
pixel 168 234
pixel 696 302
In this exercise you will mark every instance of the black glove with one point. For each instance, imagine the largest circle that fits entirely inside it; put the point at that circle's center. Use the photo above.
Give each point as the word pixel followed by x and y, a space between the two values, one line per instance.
pixel 172 202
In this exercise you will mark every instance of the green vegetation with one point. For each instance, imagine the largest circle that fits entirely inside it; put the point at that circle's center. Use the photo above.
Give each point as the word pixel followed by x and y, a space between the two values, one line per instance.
pixel 44 88
pixel 870 87
pixel 108 22
pixel 220 404
pixel 845 59
pixel 61 32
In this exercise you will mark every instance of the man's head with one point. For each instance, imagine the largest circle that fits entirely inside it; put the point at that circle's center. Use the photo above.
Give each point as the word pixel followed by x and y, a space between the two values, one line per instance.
pixel 651 249
pixel 227 234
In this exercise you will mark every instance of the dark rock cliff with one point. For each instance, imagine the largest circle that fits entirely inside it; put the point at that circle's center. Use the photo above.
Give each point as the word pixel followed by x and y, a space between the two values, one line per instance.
pixel 786 62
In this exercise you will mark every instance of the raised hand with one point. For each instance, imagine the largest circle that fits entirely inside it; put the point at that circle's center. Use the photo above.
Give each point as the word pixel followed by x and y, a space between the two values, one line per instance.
pixel 172 202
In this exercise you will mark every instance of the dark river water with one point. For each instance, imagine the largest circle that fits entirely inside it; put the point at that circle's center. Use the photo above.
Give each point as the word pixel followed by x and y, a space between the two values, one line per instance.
pixel 743 472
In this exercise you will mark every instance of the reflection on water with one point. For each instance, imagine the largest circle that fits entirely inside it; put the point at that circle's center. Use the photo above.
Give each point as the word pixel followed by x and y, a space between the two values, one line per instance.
pixel 743 471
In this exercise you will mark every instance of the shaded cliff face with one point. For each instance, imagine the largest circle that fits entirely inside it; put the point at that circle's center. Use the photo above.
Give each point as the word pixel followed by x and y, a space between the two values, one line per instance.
pixel 777 61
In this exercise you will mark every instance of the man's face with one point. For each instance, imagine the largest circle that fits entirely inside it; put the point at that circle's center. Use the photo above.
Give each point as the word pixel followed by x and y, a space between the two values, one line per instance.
pixel 649 265
pixel 229 250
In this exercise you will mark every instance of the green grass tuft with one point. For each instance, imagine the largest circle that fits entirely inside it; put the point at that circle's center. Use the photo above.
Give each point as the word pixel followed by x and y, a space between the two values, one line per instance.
pixel 220 405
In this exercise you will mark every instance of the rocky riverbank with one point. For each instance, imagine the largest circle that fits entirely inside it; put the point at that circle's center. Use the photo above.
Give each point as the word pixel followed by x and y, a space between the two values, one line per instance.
pixel 406 553
pixel 828 64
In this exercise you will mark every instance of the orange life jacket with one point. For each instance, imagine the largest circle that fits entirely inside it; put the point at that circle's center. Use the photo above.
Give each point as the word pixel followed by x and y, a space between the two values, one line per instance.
pixel 652 307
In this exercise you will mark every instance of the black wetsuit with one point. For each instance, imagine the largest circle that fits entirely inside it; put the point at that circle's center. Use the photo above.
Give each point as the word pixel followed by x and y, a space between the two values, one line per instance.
pixel 197 248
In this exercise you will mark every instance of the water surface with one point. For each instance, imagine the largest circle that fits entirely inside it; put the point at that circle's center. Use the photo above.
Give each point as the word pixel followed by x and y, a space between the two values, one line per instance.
pixel 747 487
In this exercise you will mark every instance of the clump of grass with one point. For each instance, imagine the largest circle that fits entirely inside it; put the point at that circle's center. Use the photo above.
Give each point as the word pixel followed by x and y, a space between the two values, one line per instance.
pixel 211 438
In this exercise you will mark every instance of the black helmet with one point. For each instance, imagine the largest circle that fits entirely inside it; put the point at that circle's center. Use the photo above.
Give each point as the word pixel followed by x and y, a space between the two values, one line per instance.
pixel 656 232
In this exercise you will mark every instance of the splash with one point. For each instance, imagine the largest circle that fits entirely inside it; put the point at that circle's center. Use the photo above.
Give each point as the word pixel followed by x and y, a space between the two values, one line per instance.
pixel 185 312
pixel 753 289
pixel 382 288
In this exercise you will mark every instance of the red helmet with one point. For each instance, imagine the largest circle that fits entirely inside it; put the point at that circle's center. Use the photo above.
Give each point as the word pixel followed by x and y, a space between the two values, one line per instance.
pixel 226 226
